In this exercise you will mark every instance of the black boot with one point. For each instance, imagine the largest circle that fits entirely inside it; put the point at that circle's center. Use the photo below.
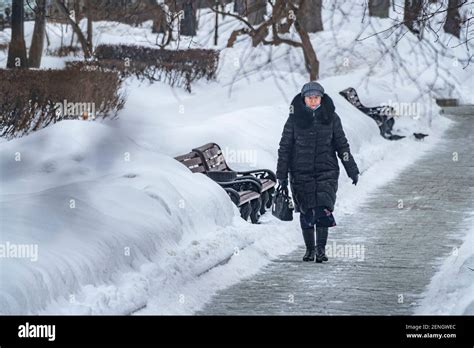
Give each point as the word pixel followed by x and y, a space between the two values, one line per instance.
pixel 308 236
pixel 321 240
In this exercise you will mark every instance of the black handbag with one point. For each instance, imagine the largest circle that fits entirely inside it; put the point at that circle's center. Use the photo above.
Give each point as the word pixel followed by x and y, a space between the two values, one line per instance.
pixel 283 205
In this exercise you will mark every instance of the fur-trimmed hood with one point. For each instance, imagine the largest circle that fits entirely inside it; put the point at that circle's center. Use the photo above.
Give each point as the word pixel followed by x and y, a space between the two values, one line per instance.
pixel 302 115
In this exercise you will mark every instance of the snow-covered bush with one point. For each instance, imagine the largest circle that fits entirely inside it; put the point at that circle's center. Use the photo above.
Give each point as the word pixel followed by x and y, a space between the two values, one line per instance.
pixel 178 68
pixel 33 99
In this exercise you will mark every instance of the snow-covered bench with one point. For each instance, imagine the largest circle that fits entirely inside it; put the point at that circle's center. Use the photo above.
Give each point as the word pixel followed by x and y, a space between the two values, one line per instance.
pixel 215 163
pixel 382 115
pixel 244 192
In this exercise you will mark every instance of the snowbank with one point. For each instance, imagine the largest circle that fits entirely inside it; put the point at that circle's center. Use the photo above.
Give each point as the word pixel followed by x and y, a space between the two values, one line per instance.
pixel 135 234
pixel 451 291
pixel 95 204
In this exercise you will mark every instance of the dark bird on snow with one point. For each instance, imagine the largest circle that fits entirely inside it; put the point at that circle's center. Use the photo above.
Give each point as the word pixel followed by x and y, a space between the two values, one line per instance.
pixel 395 137
pixel 420 136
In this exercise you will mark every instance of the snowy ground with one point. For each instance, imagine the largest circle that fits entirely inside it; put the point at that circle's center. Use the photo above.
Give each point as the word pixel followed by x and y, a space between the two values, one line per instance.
pixel 407 228
pixel 452 289
pixel 117 225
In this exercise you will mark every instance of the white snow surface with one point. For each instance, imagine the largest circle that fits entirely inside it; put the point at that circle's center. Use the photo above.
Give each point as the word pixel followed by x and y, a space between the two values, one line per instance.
pixel 451 291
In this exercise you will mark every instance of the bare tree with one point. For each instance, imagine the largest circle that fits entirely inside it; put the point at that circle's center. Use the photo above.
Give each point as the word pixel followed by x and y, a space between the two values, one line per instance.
pixel 379 8
pixel 17 48
pixel 37 42
pixel 63 10
pixel 431 54
pixel 284 15
pixel 422 15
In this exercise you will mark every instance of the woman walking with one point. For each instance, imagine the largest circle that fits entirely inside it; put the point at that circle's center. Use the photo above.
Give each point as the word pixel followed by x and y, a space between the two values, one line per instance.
pixel 312 140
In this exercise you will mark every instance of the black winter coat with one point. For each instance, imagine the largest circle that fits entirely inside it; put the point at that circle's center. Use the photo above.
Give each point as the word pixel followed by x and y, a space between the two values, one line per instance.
pixel 308 147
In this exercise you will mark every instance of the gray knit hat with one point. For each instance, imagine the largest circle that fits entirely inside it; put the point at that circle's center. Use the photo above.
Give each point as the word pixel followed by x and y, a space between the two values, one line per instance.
pixel 312 88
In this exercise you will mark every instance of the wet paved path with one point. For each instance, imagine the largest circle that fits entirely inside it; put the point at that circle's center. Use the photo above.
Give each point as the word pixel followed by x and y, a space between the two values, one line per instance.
pixel 401 245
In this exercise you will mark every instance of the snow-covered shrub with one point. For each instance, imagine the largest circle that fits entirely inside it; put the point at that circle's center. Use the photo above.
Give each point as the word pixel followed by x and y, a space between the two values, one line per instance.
pixel 176 67
pixel 33 99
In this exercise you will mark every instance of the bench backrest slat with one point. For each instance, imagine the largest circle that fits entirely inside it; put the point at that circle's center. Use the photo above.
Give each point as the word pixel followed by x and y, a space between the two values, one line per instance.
pixel 193 161
pixel 351 95
pixel 213 157
pixel 221 167
pixel 215 162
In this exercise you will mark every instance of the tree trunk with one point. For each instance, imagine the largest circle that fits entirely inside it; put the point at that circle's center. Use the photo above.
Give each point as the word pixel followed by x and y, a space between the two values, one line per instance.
pixel 90 26
pixel 411 16
pixel 256 10
pixel 309 15
pixel 90 31
pixel 37 42
pixel 216 25
pixel 379 8
pixel 64 12
pixel 453 19
pixel 311 60
pixel 17 49
pixel 188 23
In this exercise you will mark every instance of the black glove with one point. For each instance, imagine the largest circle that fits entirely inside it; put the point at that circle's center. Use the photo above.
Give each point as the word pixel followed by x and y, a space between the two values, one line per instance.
pixel 355 178
pixel 283 183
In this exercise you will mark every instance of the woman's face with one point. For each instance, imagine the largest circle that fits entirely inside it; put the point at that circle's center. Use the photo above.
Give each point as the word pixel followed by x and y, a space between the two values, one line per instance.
pixel 312 101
